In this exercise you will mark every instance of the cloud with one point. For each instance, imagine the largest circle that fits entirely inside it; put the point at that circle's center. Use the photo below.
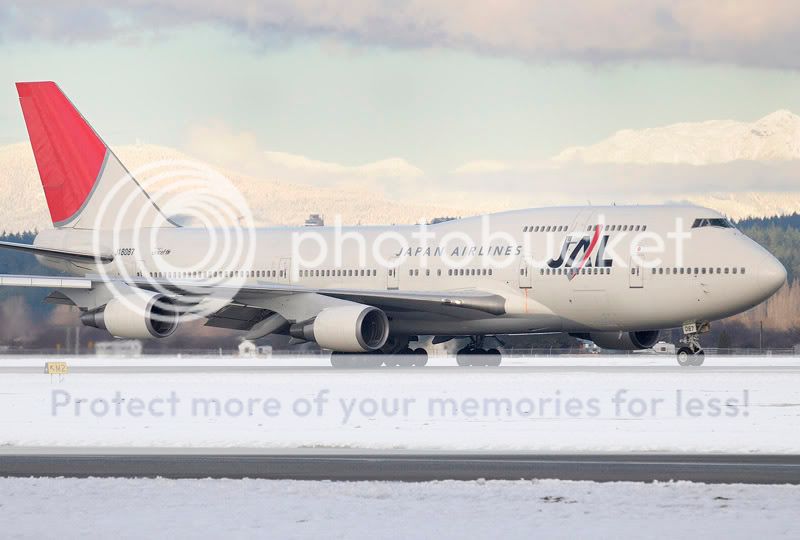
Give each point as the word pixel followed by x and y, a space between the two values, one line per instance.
pixel 748 32
pixel 240 151
pixel 492 185
pixel 629 181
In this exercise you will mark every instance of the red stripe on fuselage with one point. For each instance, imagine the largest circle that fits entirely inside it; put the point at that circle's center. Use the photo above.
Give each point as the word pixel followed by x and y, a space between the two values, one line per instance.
pixel 592 245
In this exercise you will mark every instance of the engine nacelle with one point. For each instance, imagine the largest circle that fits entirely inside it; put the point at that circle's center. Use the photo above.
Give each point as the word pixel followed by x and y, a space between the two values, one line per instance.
pixel 351 328
pixel 141 314
pixel 625 341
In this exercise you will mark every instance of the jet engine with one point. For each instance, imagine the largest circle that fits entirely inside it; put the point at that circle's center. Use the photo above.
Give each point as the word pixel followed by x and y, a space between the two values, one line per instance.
pixel 140 314
pixel 625 341
pixel 350 328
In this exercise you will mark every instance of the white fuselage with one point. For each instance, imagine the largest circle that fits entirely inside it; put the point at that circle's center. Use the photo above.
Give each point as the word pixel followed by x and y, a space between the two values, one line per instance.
pixel 569 269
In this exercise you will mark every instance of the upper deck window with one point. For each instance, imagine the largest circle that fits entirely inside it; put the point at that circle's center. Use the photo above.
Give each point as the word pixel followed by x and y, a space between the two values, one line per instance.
pixel 712 222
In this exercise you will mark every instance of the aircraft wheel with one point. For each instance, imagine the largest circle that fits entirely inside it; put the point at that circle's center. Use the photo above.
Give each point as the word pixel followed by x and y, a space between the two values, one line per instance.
pixel 420 357
pixel 494 357
pixel 685 357
pixel 464 356
pixel 405 358
pixel 343 360
pixel 698 358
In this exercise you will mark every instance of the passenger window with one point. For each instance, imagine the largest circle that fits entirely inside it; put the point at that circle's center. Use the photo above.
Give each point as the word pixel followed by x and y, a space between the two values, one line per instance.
pixel 726 270
pixel 734 270
pixel 742 270
pixel 637 227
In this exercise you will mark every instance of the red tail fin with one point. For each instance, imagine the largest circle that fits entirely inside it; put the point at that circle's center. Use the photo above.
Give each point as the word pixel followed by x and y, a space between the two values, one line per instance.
pixel 86 186
pixel 68 152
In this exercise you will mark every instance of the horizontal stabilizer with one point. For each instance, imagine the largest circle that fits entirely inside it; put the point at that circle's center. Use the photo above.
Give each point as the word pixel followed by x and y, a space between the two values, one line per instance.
pixel 49 282
pixel 57 253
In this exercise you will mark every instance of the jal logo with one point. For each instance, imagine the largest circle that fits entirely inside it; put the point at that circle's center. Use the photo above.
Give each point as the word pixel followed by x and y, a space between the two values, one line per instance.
pixel 585 251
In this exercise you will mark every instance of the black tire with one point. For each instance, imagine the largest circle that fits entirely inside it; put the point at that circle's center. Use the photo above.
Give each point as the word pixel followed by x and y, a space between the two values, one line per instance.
pixel 342 360
pixel 698 358
pixel 494 357
pixel 405 359
pixel 685 357
pixel 464 357
pixel 420 357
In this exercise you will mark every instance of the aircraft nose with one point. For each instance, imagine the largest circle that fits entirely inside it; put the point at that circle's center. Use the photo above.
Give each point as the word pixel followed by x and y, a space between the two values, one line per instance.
pixel 771 274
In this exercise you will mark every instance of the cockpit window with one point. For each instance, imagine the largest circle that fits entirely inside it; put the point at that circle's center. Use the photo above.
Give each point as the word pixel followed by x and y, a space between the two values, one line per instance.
pixel 712 222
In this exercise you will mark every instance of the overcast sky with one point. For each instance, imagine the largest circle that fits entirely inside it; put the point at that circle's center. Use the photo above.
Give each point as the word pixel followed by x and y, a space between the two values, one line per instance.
pixel 437 83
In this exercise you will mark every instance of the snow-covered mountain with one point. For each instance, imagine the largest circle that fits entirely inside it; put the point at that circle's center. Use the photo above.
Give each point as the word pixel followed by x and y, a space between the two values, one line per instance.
pixel 633 166
pixel 272 201
pixel 773 137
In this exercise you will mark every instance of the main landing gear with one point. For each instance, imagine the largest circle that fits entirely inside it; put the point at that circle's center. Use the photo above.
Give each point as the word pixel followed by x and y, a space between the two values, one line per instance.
pixel 691 354
pixel 407 358
pixel 396 354
pixel 475 355
pixel 347 360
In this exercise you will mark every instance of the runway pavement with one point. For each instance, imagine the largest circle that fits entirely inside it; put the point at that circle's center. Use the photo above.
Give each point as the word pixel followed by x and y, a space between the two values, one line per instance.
pixel 510 369
pixel 351 466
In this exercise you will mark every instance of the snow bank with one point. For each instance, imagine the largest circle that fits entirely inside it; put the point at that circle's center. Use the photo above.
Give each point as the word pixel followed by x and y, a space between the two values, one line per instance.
pixel 137 508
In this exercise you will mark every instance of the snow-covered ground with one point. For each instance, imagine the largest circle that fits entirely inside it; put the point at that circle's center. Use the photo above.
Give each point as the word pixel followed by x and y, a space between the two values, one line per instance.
pixel 598 404
pixel 635 360
pixel 140 508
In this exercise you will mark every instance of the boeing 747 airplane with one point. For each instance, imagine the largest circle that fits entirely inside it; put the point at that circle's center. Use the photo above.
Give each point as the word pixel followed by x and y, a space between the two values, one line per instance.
pixel 615 275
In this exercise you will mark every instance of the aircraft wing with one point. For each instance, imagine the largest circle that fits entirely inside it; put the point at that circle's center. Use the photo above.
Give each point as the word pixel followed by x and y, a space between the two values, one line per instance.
pixel 264 294
pixel 294 302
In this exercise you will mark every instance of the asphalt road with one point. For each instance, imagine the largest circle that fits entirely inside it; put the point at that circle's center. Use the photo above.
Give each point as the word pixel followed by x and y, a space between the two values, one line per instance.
pixel 749 469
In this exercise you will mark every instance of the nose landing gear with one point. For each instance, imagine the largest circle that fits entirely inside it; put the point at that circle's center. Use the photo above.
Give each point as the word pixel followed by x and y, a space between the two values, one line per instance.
pixel 691 354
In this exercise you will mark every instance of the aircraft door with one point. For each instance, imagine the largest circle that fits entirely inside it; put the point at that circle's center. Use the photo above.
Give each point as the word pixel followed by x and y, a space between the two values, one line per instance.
pixel 525 273
pixel 393 276
pixel 284 267
pixel 635 274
